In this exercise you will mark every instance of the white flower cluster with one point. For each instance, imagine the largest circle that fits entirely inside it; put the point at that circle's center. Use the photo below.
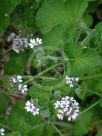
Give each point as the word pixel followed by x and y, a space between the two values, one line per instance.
pixel 67 107
pixel 2 131
pixel 35 42
pixel 19 43
pixel 30 107
pixel 70 80
pixel 18 80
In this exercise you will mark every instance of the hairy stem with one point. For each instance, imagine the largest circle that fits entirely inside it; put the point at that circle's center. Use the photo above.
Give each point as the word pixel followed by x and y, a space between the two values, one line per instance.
pixel 88 37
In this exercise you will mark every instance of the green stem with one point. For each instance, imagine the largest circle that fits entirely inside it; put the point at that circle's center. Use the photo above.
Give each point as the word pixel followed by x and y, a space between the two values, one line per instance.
pixel 78 36
pixel 36 126
pixel 6 127
pixel 29 62
pixel 42 77
pixel 48 69
pixel 98 94
pixel 57 130
pixel 63 124
pixel 89 108
pixel 88 37
pixel 90 77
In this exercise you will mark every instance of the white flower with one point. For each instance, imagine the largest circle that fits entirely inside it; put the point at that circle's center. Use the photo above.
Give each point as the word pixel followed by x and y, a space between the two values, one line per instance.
pixel 77 79
pixel 67 107
pixel 57 104
pixel 17 79
pixel 60 114
pixel 32 43
pixel 35 111
pixel 38 41
pixel 35 42
pixel 2 131
pixel 30 107
pixel 22 88
pixel 70 81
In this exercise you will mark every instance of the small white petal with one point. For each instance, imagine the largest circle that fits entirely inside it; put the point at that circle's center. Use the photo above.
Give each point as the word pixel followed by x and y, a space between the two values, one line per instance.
pixel 77 79
pixel 57 104
pixel 39 41
pixel 14 80
pixel 2 130
pixel 60 112
pixel 25 86
pixel 19 77
pixel 69 118
pixel 2 134
pixel 74 117
pixel 28 103
pixel 76 103
pixel 31 45
pixel 28 109
pixel 71 85
pixel 65 109
pixel 67 97
pixel 60 116
pixel 71 98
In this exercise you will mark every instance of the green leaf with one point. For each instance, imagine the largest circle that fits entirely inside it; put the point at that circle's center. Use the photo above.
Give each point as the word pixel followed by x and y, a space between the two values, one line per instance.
pixel 37 130
pixel 18 120
pixel 40 94
pixel 4 22
pixel 16 64
pixel 83 61
pixel 53 13
pixel 45 113
pixel 88 19
pixel 73 50
pixel 82 93
pixel 59 36
pixel 98 84
pixel 100 103
pixel 23 17
pixel 99 133
pixel 98 28
pixel 6 7
pixel 81 127
pixel 85 64
pixel 49 130
pixel 55 38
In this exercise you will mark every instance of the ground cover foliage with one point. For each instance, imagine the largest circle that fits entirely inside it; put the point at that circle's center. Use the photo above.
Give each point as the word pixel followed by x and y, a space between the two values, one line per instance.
pixel 50 49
